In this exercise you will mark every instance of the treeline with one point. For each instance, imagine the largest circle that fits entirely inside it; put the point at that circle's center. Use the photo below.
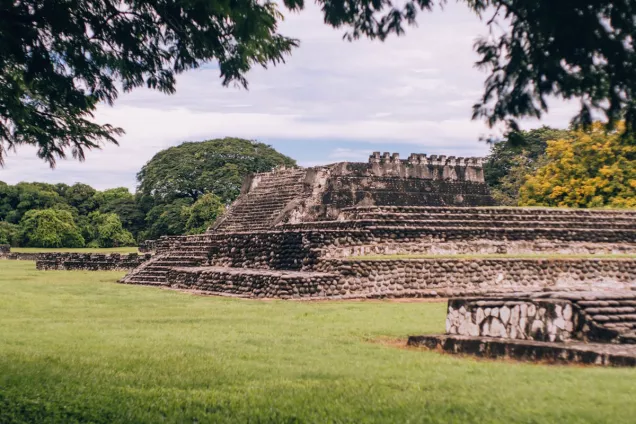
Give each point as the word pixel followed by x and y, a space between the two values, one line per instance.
pixel 568 168
pixel 181 190
pixel 59 215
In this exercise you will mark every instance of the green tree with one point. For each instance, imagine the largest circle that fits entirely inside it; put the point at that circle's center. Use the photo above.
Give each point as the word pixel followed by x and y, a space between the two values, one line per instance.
pixel 594 168
pixel 81 197
pixel 8 200
pixel 8 233
pixel 202 214
pixel 214 166
pixel 166 219
pixel 109 231
pixel 514 158
pixel 30 196
pixel 49 228
pixel 60 58
pixel 122 203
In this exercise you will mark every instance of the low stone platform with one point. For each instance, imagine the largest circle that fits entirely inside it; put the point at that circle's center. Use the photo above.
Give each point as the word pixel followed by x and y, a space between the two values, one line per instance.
pixel 258 283
pixel 578 327
pixel 89 261
pixel 529 350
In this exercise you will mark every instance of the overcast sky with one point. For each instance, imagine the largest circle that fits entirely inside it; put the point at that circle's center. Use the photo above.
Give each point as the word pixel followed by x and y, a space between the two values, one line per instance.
pixel 332 101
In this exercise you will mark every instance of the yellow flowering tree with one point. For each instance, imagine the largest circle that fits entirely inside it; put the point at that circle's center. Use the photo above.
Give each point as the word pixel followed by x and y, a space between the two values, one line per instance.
pixel 594 168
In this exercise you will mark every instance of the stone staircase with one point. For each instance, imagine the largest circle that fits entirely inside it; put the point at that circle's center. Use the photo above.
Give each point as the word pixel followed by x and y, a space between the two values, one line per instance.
pixel 613 312
pixel 188 251
pixel 603 223
pixel 259 208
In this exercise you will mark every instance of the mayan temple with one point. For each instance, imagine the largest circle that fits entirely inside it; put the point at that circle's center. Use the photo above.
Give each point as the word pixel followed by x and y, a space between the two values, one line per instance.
pixel 321 232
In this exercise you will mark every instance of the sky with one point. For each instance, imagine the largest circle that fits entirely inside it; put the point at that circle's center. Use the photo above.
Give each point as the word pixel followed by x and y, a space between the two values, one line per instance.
pixel 332 101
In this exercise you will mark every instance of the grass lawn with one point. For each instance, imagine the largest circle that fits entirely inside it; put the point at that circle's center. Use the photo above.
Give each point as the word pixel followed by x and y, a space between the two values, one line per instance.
pixel 76 347
pixel 78 250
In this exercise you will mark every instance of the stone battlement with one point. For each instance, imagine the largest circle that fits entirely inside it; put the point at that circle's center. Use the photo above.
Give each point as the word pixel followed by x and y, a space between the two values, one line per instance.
pixel 423 159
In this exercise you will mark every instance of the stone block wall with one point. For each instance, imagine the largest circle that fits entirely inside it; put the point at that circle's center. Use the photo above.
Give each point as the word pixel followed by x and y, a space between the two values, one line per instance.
pixel 148 246
pixel 546 320
pixel 5 249
pixel 465 277
pixel 553 316
pixel 292 250
pixel 409 278
pixel 252 283
pixel 90 261
pixel 20 256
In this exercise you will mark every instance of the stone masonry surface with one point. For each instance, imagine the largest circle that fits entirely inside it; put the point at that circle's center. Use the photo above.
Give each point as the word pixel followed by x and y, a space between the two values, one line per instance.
pixel 410 278
pixel 90 261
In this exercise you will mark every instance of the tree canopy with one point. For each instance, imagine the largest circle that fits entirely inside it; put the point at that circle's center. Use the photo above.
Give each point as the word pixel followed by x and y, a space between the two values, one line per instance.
pixel 59 59
pixel 50 228
pixel 591 169
pixel 47 215
pixel 511 160
pixel 182 190
pixel 218 166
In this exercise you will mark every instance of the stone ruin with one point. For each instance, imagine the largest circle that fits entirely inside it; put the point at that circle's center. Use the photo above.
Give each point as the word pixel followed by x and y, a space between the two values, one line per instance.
pixel 325 232
pixel 582 327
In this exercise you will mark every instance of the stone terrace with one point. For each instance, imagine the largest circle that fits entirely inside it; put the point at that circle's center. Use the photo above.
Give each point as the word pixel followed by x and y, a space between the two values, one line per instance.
pixel 305 228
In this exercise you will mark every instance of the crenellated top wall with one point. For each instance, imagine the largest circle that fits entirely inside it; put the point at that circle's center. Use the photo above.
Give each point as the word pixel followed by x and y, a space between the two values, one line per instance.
pixel 419 165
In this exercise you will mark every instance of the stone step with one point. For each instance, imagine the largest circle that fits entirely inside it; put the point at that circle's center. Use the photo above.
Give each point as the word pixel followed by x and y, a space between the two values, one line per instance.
pixel 614 318
pixel 484 217
pixel 489 224
pixel 492 211
pixel 610 310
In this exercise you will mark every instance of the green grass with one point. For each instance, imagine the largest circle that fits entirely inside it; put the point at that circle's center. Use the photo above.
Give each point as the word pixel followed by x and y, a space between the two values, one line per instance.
pixel 76 347
pixel 493 256
pixel 71 250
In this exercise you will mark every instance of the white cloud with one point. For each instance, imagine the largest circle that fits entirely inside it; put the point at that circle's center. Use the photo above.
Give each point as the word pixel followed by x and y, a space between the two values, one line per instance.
pixel 353 98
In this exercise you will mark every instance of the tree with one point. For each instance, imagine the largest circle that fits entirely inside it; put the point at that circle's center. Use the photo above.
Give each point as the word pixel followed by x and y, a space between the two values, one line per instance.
pixel 8 233
pixel 202 214
pixel 595 168
pixel 49 228
pixel 109 232
pixel 60 58
pixel 218 166
pixel 122 203
pixel 81 197
pixel 514 158
pixel 166 219
pixel 29 196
